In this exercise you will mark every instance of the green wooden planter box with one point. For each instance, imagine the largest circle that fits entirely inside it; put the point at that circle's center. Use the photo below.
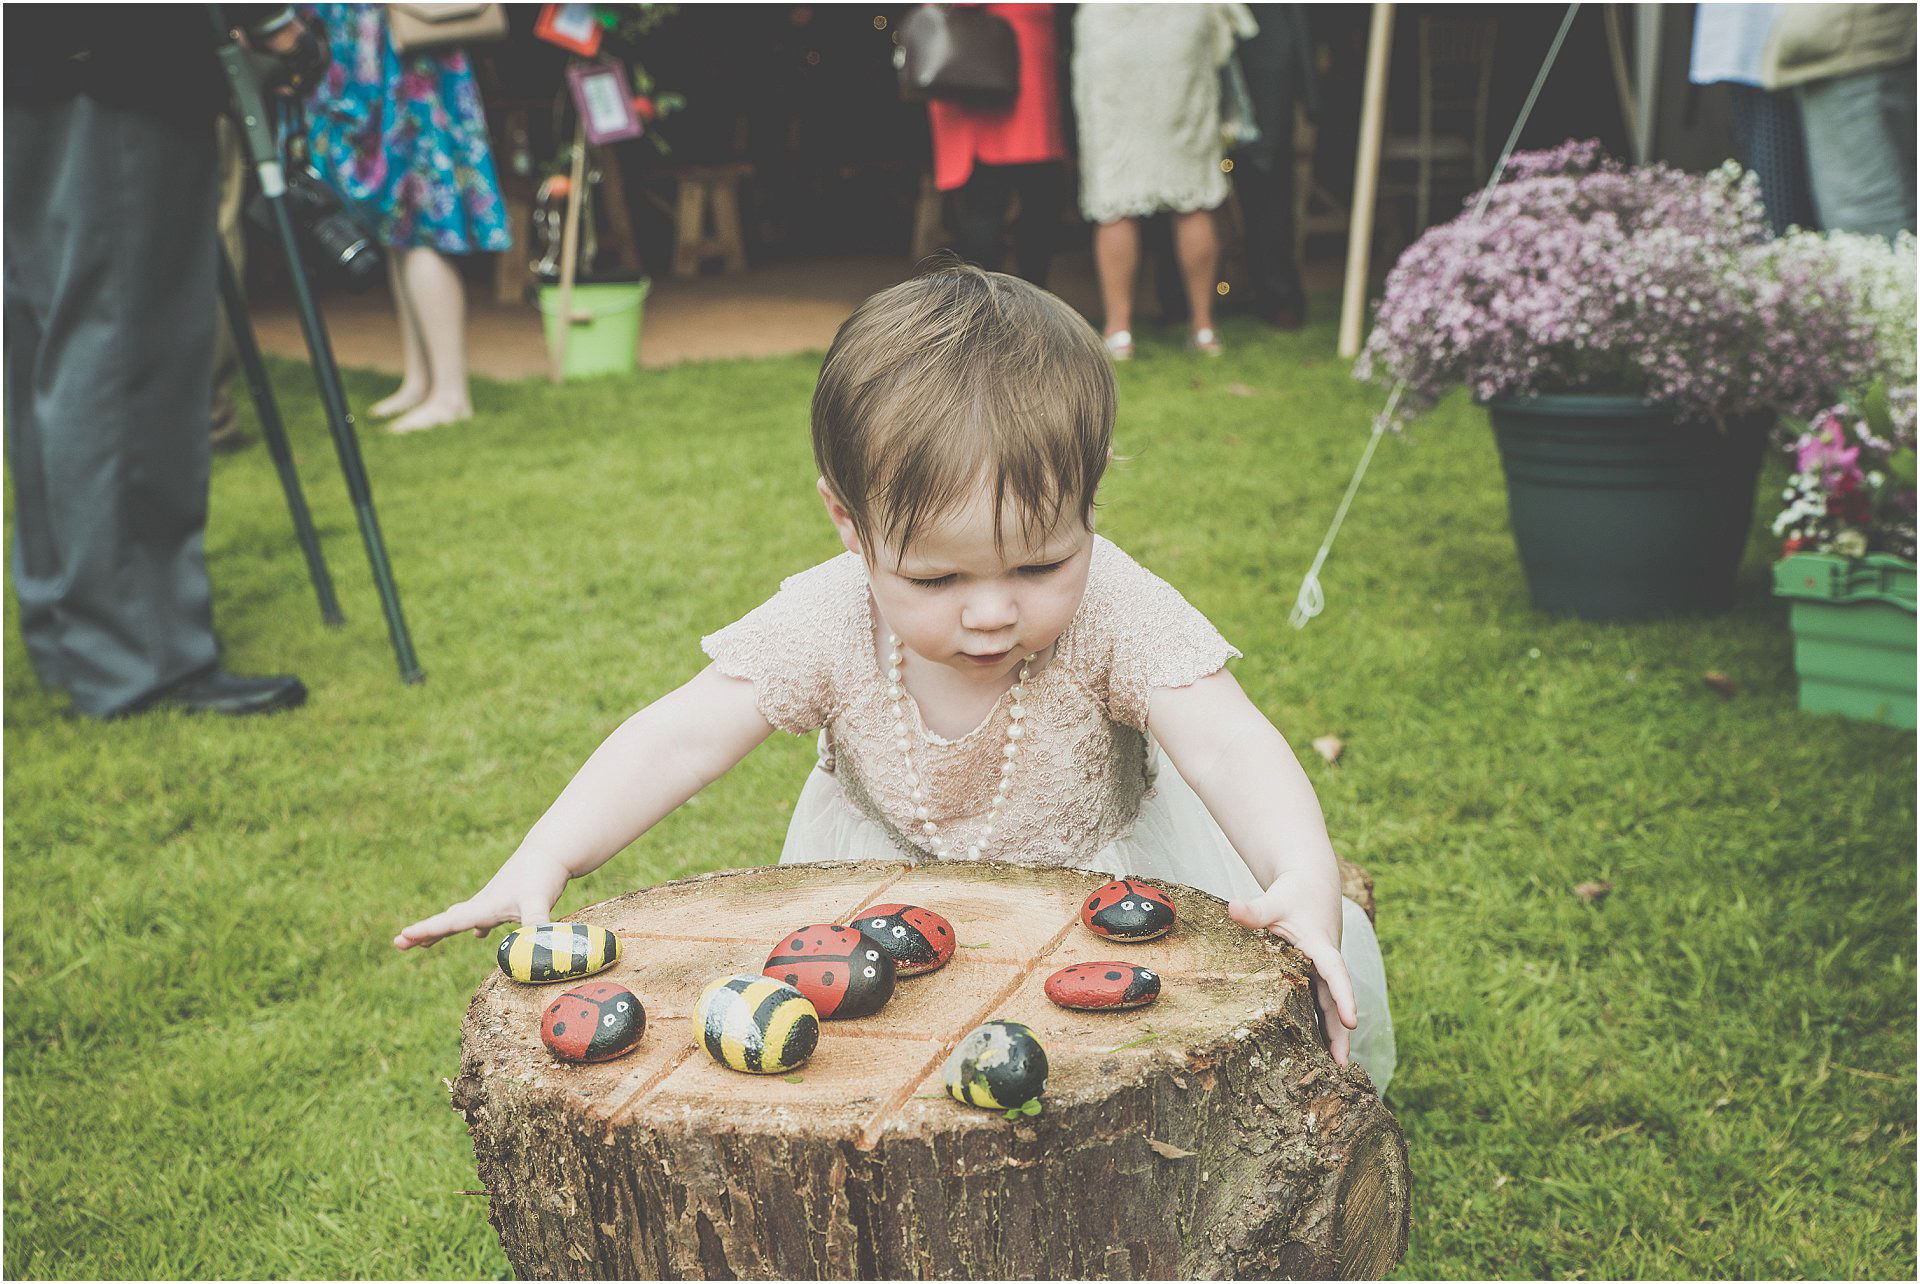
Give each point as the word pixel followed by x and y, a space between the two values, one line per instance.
pixel 1853 633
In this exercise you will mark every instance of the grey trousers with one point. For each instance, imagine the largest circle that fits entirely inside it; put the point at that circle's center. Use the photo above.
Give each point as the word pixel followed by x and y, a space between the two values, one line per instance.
pixel 110 285
pixel 1860 150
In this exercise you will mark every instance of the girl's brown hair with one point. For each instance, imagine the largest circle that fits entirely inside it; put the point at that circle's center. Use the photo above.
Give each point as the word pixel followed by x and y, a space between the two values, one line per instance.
pixel 956 377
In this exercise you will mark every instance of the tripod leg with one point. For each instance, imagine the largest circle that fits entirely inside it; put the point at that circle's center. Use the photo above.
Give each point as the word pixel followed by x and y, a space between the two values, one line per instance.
pixel 346 445
pixel 276 434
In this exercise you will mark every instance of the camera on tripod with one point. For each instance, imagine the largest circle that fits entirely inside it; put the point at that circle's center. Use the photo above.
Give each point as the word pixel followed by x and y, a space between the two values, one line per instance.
pixel 329 234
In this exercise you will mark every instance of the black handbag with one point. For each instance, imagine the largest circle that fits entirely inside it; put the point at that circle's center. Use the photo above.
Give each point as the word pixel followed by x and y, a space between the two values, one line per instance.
pixel 958 53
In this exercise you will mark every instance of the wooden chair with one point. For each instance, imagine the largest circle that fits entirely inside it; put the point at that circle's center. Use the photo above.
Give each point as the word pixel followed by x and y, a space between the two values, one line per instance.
pixel 1315 210
pixel 704 190
pixel 1450 145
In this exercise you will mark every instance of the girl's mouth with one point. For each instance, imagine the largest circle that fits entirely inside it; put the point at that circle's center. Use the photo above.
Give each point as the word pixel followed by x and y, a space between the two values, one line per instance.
pixel 994 658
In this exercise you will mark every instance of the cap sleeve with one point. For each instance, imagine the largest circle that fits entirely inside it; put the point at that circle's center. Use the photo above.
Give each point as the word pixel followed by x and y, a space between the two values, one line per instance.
pixel 1136 632
pixel 795 646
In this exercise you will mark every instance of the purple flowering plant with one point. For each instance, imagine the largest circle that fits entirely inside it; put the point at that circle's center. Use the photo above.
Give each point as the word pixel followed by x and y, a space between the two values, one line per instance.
pixel 1586 274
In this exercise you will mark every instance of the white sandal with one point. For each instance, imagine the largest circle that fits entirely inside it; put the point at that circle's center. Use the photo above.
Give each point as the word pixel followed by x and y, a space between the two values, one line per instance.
pixel 1205 342
pixel 1119 345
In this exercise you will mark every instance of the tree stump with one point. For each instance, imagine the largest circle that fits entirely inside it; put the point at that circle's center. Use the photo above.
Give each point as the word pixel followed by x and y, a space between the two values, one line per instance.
pixel 1207 1135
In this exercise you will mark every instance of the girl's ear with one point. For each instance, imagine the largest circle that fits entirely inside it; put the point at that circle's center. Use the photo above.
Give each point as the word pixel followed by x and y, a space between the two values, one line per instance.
pixel 842 520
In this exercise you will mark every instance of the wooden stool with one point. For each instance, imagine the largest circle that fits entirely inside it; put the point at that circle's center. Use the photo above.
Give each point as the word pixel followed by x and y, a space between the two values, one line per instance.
pixel 1206 1135
pixel 705 188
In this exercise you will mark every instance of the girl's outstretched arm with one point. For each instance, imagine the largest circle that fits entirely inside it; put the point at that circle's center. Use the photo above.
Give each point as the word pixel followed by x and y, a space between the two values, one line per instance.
pixel 653 762
pixel 1246 774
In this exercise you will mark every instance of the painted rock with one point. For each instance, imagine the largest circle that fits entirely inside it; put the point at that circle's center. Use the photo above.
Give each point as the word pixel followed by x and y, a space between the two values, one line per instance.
pixel 756 1024
pixel 597 1021
pixel 1124 910
pixel 918 939
pixel 558 952
pixel 841 972
pixel 999 1065
pixel 1103 987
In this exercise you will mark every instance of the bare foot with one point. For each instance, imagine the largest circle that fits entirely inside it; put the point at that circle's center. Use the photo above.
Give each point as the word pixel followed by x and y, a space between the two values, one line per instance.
pixel 431 414
pixel 402 400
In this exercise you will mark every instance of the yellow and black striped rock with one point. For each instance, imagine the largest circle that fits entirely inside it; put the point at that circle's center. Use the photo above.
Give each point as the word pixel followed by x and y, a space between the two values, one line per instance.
pixel 558 952
pixel 998 1065
pixel 756 1024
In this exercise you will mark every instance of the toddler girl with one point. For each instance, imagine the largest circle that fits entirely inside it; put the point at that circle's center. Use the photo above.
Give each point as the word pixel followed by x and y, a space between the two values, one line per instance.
pixel 989 678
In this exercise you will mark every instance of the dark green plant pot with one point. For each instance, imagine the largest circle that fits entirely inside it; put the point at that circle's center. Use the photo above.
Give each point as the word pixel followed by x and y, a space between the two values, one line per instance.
pixel 1622 512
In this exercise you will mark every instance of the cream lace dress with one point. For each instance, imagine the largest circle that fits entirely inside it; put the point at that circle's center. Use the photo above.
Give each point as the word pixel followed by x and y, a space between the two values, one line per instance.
pixel 1092 790
pixel 1146 96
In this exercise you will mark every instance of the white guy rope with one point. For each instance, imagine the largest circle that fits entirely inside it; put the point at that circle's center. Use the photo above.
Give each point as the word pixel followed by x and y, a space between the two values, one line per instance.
pixel 1311 599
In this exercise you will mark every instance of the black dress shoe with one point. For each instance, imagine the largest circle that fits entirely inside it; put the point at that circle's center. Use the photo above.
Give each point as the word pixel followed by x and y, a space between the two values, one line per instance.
pixel 217 691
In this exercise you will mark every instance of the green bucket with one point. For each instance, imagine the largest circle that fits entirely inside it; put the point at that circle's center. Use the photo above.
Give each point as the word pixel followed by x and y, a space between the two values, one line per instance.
pixel 605 333
pixel 1853 634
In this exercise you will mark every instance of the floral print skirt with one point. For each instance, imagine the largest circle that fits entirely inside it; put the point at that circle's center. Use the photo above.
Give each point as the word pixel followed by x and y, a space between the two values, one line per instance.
pixel 404 140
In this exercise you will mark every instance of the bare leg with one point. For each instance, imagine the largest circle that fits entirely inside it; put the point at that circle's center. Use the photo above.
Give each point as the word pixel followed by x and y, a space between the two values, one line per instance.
pixel 1116 252
pixel 440 303
pixel 1199 244
pixel 414 382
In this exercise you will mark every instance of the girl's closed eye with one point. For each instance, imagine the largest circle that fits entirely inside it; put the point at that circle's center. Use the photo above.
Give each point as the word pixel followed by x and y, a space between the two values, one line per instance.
pixel 941 580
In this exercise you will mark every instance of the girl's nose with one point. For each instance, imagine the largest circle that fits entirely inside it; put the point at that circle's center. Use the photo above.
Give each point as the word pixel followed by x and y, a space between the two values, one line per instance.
pixel 989 610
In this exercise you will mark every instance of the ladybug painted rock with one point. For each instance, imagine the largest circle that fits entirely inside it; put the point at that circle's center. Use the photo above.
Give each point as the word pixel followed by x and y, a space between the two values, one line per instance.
pixel 918 939
pixel 558 952
pixel 999 1065
pixel 1103 987
pixel 755 1024
pixel 1124 910
pixel 842 973
pixel 594 1022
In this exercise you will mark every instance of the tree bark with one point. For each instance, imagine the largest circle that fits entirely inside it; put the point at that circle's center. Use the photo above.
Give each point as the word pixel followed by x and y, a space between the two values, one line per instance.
pixel 1207 1135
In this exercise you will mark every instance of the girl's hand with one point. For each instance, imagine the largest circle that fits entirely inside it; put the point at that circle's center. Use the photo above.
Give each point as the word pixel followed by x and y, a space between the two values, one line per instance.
pixel 1279 910
pixel 523 892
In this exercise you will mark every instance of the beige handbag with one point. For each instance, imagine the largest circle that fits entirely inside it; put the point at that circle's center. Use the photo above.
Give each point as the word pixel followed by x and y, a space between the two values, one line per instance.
pixel 428 28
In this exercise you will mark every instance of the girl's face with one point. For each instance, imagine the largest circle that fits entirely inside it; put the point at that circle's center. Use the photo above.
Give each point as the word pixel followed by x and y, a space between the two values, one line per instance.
pixel 955 601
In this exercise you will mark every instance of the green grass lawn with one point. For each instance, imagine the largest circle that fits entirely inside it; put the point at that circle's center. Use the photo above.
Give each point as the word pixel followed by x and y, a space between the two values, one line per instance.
pixel 216 1065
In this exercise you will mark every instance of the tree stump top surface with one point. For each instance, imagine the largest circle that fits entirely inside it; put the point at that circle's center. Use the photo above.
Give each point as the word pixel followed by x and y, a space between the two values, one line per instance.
pixel 878 1077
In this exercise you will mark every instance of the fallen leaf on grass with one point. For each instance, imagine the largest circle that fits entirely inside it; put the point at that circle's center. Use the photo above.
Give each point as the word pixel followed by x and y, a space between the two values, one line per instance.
pixel 1239 390
pixel 1330 747
pixel 1166 1151
pixel 1500 1181
pixel 1720 682
pixel 1593 893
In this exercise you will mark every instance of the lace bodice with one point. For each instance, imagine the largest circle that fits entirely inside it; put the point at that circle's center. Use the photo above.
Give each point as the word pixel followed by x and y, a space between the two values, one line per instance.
pixel 1083 767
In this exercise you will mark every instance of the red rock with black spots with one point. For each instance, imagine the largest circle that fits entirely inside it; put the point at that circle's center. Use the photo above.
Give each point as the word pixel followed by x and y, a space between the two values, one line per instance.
pixel 842 973
pixel 1103 987
pixel 918 939
pixel 1124 910
pixel 594 1022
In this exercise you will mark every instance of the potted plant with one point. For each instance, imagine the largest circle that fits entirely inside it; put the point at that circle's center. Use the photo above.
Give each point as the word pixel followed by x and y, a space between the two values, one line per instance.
pixel 1633 332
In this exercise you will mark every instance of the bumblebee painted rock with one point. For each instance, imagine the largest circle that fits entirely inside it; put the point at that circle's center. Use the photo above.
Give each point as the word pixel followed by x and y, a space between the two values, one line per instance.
pixel 1103 987
pixel 918 939
pixel 999 1065
pixel 594 1022
pixel 842 973
pixel 1124 910
pixel 558 952
pixel 755 1024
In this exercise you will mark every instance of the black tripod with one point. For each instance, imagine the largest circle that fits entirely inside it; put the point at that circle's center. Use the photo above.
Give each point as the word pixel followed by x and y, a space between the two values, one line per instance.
pixel 244 71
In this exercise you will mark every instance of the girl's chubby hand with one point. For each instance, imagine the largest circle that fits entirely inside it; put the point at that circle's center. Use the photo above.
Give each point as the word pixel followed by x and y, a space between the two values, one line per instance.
pixel 1279 910
pixel 520 893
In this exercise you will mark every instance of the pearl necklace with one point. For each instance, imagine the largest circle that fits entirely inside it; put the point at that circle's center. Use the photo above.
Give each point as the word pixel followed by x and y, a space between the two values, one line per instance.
pixel 1008 753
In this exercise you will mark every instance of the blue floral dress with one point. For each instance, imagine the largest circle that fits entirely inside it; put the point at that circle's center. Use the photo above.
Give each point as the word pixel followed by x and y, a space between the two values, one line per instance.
pixel 404 140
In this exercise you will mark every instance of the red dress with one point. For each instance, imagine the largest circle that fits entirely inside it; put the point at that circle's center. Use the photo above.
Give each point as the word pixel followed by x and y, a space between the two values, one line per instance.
pixel 1024 133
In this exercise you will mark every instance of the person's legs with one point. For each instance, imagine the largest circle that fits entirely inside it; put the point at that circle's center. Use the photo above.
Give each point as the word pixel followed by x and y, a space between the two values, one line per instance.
pixel 1860 150
pixel 415 379
pixel 1768 140
pixel 1043 191
pixel 980 212
pixel 439 300
pixel 1116 253
pixel 110 267
pixel 1198 241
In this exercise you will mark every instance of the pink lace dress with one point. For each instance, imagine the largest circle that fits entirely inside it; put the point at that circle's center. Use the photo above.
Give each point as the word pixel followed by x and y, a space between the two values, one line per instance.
pixel 1091 789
